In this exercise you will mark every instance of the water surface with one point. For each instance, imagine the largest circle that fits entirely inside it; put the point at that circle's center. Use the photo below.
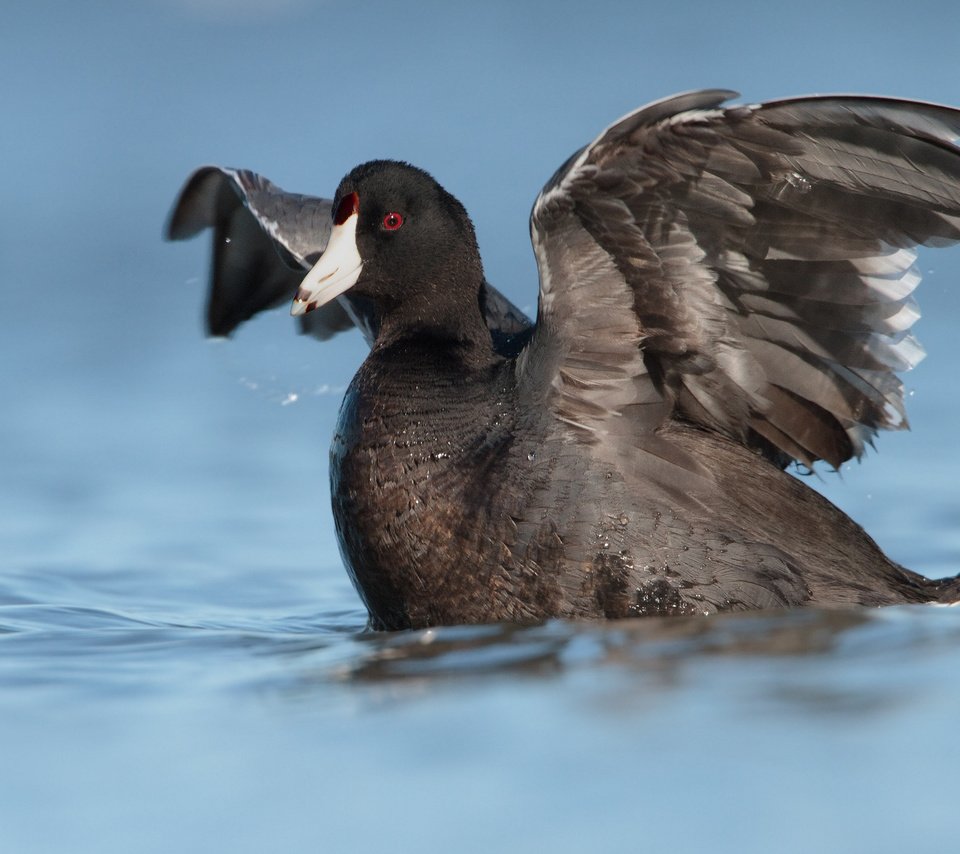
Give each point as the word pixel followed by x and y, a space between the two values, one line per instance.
pixel 183 664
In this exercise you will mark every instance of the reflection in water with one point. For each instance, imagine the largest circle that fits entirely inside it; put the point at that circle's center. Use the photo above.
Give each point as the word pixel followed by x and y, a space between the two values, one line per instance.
pixel 649 644
pixel 846 662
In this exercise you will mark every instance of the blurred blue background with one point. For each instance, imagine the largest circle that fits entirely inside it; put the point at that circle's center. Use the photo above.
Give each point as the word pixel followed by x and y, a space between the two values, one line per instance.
pixel 182 665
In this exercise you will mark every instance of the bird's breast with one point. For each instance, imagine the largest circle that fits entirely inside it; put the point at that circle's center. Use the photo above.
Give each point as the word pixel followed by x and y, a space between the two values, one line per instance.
pixel 417 476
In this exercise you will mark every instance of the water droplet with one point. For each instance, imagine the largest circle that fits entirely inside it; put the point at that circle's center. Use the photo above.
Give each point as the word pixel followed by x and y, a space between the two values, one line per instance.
pixel 799 182
pixel 532 456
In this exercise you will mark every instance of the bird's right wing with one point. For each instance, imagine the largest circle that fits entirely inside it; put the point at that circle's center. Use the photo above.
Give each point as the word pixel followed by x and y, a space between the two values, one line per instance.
pixel 263 240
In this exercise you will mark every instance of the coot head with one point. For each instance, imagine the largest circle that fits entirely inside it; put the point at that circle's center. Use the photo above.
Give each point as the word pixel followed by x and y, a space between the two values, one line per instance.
pixel 405 244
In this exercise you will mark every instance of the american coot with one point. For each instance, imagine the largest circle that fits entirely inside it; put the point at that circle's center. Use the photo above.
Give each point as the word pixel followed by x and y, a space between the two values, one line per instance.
pixel 724 290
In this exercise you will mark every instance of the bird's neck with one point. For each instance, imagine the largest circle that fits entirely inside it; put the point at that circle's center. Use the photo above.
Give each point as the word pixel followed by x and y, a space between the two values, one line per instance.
pixel 438 318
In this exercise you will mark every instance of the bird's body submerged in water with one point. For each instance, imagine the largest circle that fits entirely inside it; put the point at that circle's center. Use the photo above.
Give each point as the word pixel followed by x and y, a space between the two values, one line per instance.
pixel 722 291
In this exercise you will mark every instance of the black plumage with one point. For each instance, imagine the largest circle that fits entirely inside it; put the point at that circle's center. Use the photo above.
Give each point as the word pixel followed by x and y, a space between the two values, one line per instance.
pixel 722 290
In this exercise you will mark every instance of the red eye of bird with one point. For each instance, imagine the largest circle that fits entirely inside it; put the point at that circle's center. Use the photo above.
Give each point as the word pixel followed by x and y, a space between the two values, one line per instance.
pixel 392 221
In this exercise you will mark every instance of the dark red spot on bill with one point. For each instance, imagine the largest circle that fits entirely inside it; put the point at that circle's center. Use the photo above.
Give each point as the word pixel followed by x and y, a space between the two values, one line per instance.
pixel 303 296
pixel 349 205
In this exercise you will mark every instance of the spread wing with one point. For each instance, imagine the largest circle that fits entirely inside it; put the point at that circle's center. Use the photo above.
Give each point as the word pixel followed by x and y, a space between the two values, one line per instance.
pixel 746 268
pixel 265 238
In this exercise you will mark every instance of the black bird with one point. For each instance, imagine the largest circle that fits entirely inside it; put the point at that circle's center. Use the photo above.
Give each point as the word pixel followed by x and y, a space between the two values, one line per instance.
pixel 724 290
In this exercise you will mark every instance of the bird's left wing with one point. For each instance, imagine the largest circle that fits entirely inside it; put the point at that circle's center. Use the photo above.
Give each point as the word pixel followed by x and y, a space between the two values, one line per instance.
pixel 747 269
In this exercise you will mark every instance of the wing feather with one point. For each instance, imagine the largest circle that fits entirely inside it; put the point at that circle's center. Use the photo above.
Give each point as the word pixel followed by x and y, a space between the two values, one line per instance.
pixel 755 264
pixel 263 239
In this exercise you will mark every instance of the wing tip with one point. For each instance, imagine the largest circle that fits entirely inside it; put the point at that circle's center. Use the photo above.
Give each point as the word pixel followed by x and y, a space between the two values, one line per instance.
pixel 196 206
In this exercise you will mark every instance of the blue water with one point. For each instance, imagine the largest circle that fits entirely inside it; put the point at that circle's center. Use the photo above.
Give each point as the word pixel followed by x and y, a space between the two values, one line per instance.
pixel 183 665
